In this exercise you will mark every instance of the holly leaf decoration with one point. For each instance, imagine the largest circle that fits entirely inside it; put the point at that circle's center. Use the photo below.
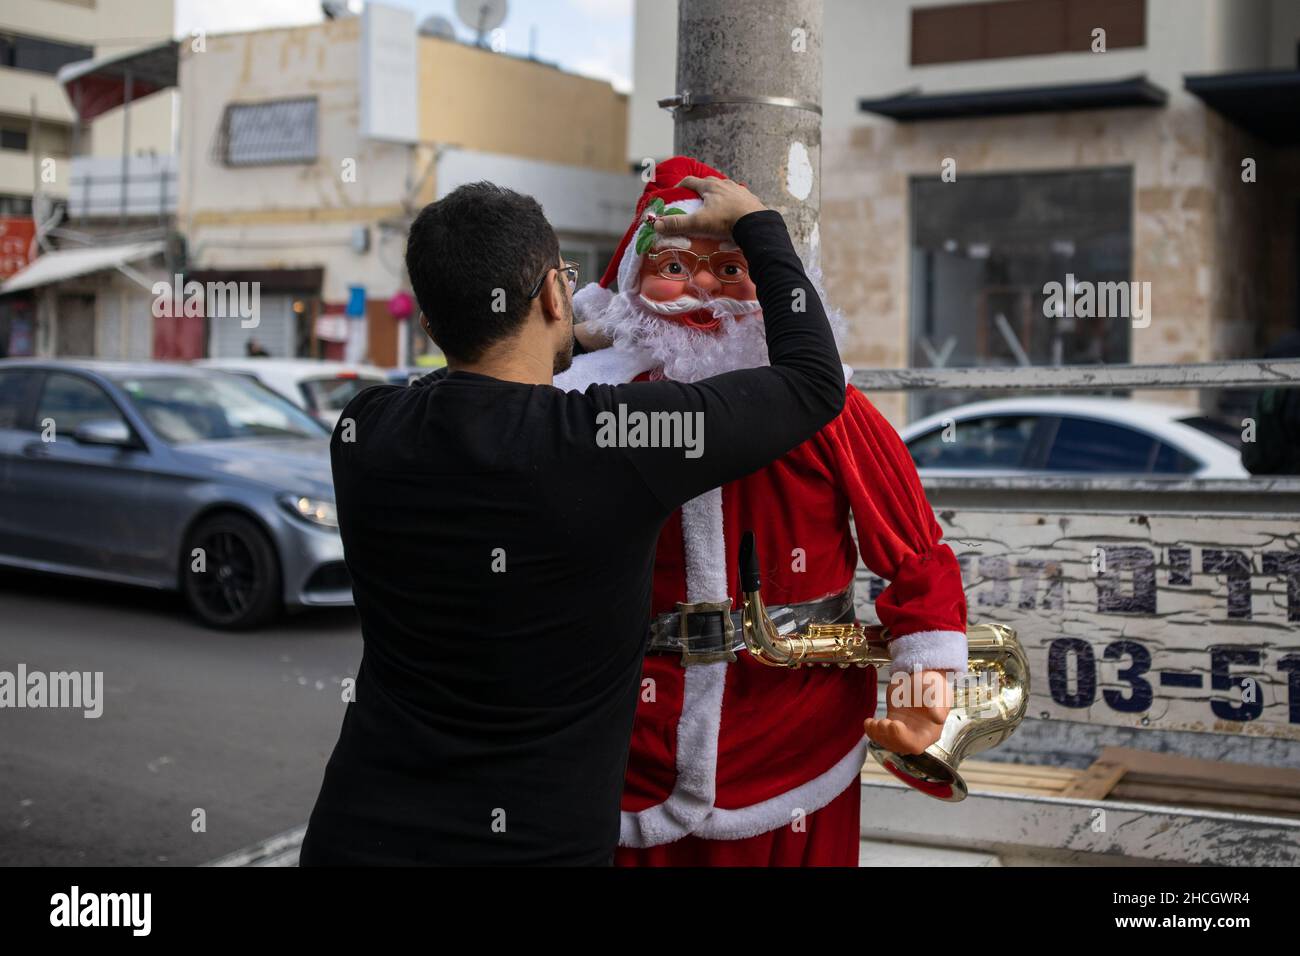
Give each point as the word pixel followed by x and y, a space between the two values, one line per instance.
pixel 645 239
pixel 646 236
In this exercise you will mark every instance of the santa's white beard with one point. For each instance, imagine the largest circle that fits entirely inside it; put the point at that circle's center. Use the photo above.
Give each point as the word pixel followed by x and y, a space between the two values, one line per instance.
pixel 687 354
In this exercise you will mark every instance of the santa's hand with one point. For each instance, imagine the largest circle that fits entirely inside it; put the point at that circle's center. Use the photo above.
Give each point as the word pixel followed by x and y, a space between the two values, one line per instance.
pixel 724 203
pixel 590 339
pixel 917 706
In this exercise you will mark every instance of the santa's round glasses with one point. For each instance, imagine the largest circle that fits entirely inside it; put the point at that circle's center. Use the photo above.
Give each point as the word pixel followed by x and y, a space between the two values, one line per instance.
pixel 680 264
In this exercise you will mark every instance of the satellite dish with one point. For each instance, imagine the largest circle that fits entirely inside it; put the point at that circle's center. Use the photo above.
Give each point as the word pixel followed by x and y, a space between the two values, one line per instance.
pixel 339 9
pixel 437 26
pixel 481 16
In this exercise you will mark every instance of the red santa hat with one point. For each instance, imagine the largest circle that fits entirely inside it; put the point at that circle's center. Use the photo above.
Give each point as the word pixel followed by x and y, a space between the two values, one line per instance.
pixel 661 196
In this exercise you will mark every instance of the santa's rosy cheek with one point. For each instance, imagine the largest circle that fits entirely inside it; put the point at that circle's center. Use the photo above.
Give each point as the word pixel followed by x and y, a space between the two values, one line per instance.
pixel 658 289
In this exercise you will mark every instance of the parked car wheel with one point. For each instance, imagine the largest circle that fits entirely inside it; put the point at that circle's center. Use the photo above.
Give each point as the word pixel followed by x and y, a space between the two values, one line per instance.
pixel 239 586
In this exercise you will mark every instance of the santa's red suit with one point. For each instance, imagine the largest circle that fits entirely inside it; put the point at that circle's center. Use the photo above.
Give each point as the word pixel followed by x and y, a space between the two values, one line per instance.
pixel 741 763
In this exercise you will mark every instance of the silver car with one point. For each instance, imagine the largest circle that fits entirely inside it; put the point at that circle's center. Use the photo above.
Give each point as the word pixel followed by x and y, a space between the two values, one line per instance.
pixel 171 477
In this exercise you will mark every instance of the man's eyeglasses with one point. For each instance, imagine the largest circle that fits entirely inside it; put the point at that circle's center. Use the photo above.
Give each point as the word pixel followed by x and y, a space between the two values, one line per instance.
pixel 681 264
pixel 570 270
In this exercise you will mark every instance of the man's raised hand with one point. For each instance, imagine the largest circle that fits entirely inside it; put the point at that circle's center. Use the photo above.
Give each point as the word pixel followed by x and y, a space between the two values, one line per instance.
pixel 725 202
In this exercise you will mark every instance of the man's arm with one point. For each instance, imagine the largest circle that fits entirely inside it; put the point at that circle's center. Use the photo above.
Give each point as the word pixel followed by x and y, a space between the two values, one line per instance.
pixel 745 419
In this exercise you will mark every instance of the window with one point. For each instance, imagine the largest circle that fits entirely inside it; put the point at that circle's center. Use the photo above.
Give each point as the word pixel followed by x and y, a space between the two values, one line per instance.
pixel 11 138
pixel 1084 445
pixel 984 31
pixel 1224 431
pixel 333 394
pixel 74 325
pixel 40 56
pixel 995 442
pixel 16 206
pixel 217 408
pixel 986 250
pixel 15 391
pixel 264 134
pixel 1171 461
pixel 70 400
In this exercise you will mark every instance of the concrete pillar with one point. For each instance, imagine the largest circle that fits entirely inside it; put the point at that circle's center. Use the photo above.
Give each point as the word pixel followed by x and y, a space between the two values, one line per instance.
pixel 735 52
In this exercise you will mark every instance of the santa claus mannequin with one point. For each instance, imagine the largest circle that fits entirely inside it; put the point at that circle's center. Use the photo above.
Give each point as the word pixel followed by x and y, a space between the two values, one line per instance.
pixel 734 762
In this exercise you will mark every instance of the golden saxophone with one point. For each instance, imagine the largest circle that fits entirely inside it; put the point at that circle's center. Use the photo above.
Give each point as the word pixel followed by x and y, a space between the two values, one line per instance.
pixel 988 703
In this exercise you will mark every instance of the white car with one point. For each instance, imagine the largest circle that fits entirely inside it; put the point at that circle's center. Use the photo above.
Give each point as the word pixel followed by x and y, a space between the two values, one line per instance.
pixel 1080 436
pixel 320 388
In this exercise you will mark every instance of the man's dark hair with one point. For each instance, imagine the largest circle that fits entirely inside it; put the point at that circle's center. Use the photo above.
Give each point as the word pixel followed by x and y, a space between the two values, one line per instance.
pixel 462 249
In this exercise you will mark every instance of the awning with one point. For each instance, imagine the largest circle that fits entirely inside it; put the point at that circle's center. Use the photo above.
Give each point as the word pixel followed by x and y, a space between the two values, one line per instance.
pixel 1112 94
pixel 1265 103
pixel 303 281
pixel 99 85
pixel 69 263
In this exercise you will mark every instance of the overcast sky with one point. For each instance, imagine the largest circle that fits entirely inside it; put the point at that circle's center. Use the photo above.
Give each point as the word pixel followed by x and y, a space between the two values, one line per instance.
pixel 593 37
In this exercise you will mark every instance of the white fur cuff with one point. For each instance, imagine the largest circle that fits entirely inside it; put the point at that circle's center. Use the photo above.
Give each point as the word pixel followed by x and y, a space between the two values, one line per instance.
pixel 929 650
pixel 590 301
pixel 612 366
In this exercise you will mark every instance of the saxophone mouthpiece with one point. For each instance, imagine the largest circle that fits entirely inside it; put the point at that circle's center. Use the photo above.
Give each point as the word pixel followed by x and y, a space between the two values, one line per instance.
pixel 749 576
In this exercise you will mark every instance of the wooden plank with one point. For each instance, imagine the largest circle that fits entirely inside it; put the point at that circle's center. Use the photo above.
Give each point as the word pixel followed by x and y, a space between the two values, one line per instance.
pixel 989 777
pixel 996 768
pixel 988 770
pixel 1097 781
pixel 1064 378
pixel 1011 788
pixel 1175 770
pixel 1014 779
pixel 1033 769
pixel 1240 801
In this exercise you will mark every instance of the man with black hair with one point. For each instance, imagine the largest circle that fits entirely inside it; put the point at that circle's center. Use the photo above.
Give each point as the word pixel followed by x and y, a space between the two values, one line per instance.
pixel 501 537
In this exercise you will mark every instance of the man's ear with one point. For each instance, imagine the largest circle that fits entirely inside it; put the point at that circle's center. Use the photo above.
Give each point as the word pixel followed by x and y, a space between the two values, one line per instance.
pixel 552 298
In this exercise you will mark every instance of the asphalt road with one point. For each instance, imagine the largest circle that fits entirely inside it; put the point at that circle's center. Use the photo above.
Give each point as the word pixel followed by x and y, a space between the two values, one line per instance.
pixel 238 725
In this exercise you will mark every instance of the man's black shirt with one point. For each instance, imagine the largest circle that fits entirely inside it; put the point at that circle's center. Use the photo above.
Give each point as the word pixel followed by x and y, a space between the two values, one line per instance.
pixel 501 561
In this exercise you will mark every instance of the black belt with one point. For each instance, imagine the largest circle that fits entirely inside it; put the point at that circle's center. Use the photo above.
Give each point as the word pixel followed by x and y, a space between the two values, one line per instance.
pixel 706 632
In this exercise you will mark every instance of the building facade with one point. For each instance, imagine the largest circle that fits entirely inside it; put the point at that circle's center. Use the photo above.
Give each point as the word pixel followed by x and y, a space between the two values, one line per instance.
pixel 281 186
pixel 51 160
pixel 979 156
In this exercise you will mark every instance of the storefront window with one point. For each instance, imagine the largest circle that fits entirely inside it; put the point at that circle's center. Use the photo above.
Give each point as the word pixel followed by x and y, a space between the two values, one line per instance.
pixel 985 251
pixel 17 326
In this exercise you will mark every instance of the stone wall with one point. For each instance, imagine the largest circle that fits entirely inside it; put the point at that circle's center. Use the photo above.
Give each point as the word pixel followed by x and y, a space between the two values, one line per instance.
pixel 1218 253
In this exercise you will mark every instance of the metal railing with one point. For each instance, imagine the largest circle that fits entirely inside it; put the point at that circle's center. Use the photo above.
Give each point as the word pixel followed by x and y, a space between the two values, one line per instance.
pixel 1255 373
pixel 1259 494
pixel 98 188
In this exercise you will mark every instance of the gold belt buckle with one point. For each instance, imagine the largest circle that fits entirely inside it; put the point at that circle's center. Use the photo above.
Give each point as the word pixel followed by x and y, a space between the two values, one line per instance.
pixel 689 656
